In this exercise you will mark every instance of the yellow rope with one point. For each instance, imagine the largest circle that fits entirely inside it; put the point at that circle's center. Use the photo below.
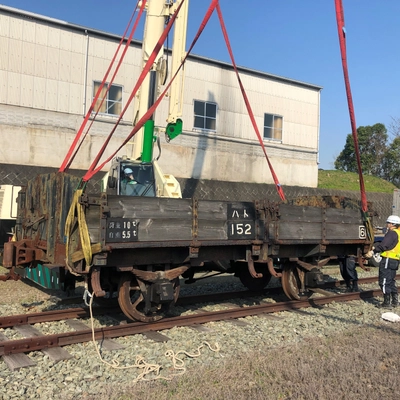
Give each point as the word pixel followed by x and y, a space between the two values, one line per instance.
pixel 147 368
pixel 76 211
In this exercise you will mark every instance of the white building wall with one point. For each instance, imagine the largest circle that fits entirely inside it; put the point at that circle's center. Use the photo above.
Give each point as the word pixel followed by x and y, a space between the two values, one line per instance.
pixel 47 71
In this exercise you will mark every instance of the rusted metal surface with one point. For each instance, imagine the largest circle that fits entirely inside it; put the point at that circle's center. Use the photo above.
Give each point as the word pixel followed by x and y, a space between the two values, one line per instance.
pixel 202 228
pixel 95 281
pixel 271 269
pixel 10 276
pixel 42 209
pixel 252 271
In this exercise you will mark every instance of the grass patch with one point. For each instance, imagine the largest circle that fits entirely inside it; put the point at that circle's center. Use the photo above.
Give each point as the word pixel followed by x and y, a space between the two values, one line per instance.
pixel 341 180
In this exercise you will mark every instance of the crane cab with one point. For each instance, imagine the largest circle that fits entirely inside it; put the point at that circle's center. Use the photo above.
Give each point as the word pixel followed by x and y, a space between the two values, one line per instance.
pixel 145 179
pixel 130 178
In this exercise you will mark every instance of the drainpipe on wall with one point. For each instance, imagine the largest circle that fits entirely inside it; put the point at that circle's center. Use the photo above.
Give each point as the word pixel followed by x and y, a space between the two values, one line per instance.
pixel 85 73
pixel 319 124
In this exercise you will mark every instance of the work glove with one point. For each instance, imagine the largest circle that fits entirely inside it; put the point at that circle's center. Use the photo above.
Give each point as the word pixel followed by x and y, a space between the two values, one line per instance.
pixel 369 254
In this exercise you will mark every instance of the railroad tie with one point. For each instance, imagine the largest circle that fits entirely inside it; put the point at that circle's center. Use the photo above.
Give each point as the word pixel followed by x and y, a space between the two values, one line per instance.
pixel 16 361
pixel 106 344
pixel 55 354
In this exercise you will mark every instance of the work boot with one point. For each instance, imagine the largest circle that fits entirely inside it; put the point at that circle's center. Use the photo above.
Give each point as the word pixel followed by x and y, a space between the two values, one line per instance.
pixel 395 299
pixel 349 287
pixel 355 287
pixel 386 301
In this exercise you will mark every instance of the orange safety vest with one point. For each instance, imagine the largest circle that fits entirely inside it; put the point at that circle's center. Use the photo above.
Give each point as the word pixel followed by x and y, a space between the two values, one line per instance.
pixel 394 253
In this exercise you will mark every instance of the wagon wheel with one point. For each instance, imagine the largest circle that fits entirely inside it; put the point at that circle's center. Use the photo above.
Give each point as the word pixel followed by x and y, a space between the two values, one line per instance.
pixel 132 300
pixel 293 282
pixel 254 284
pixel 104 279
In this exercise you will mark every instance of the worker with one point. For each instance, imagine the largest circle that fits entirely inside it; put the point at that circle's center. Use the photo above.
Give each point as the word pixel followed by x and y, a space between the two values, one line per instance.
pixel 389 264
pixel 129 178
pixel 349 273
pixel 128 183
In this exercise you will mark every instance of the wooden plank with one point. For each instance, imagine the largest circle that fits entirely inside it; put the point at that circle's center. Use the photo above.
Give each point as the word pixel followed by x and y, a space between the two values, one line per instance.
pixel 212 230
pixel 16 361
pixel 106 344
pixel 343 232
pixel 148 207
pixel 156 336
pixel 164 229
pixel 346 216
pixel 297 231
pixel 292 213
pixel 55 353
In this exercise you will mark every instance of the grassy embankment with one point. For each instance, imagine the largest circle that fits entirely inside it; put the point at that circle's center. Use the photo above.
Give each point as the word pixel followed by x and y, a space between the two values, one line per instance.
pixel 349 181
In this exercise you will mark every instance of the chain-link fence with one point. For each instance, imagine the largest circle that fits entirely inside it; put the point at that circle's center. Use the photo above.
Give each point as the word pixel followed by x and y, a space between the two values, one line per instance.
pixel 381 203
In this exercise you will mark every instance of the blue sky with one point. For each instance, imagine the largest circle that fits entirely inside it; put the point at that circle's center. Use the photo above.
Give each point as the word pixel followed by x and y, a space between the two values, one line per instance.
pixel 291 38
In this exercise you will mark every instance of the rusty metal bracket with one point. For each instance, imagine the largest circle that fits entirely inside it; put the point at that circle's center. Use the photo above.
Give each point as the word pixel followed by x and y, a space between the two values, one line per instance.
pixel 361 261
pixel 105 209
pixel 26 252
pixel 250 265
pixel 193 252
pixel 87 200
pixel 271 269
pixel 305 265
pixel 36 221
pixel 256 249
pixel 154 276
pixel 95 281
pixel 323 262
pixel 10 276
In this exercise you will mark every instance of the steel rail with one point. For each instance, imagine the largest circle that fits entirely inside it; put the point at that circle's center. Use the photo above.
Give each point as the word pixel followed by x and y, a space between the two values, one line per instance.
pixel 84 312
pixel 68 338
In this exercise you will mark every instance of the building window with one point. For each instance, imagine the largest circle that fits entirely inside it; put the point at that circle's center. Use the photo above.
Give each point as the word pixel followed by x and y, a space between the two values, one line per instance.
pixel 112 104
pixel 205 115
pixel 273 127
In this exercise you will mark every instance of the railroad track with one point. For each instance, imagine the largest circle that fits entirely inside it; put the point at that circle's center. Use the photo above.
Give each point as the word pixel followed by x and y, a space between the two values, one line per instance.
pixel 13 351
pixel 84 312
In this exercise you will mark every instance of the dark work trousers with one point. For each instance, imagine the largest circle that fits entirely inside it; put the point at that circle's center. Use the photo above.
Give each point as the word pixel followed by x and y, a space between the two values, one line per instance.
pixel 387 275
pixel 348 269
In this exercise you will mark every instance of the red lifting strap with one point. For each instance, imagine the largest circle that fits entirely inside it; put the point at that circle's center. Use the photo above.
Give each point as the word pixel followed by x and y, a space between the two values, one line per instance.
pixel 71 153
pixel 151 110
pixel 249 109
pixel 214 4
pixel 94 168
pixel 342 42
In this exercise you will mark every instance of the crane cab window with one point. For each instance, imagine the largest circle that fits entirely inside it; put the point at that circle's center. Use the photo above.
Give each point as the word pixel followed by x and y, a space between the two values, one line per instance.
pixel 205 115
pixel 137 180
pixel 273 127
pixel 108 103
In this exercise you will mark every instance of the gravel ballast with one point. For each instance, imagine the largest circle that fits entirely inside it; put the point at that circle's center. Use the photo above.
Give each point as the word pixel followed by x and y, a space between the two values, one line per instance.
pixel 86 375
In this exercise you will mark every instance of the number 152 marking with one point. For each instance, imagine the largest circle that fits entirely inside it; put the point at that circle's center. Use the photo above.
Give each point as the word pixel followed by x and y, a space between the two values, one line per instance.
pixel 241 230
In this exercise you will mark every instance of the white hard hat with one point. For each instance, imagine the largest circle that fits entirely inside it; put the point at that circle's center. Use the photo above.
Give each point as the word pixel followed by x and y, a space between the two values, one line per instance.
pixel 393 219
pixel 128 171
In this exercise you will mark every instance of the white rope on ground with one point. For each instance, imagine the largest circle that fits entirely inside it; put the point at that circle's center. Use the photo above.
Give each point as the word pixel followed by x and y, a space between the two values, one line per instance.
pixel 147 368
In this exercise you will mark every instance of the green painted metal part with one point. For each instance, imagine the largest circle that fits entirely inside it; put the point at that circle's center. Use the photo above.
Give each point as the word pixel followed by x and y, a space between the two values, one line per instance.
pixel 49 278
pixel 148 139
pixel 174 129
